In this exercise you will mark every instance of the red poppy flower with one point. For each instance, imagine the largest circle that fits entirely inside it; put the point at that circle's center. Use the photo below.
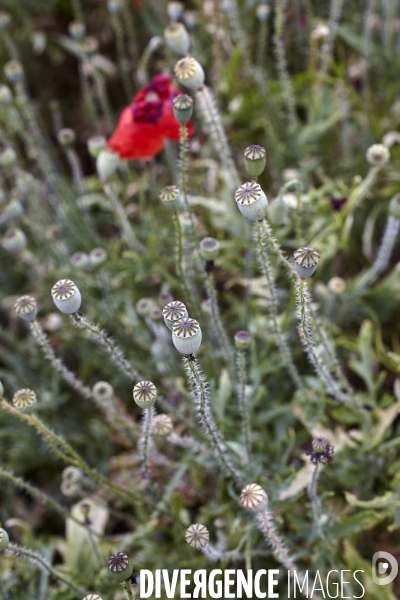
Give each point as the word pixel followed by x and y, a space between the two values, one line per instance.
pixel 144 124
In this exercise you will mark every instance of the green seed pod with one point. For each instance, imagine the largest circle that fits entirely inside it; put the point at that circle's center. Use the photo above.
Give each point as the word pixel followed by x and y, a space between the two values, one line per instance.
pixel 177 38
pixel 394 206
pixel 5 20
pixel 242 340
pixel 209 248
pixel 144 306
pixel 89 46
pixel 145 394
pixel 255 158
pixel 378 155
pixel 173 312
pixel 186 335
pixel 66 296
pixel 26 308
pixel 80 260
pixel 103 391
pixel 174 10
pixel 253 497
pixel 107 163
pixel 197 535
pixel 4 539
pixel 189 73
pixel 96 144
pixel 14 71
pixel 155 313
pixel 161 425
pixel 72 474
pixel 115 7
pixel 262 11
pixel 183 108
pixel 66 137
pixel 305 261
pixel 97 256
pixel 8 157
pixel 251 201
pixel 25 401
pixel 6 97
pixel 120 566
pixel 77 30
pixel 92 597
pixel 14 240
pixel 170 196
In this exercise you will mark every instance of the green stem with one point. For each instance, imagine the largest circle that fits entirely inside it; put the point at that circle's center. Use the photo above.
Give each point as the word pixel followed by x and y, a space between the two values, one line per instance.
pixel 120 216
pixel 244 407
pixel 180 268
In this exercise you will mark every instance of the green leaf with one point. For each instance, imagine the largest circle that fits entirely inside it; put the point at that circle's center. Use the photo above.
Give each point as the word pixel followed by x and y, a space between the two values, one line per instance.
pixel 348 526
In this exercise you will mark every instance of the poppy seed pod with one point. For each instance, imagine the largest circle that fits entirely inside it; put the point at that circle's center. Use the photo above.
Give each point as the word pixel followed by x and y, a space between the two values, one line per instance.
pixel 189 73
pixel 97 256
pixel 173 312
pixel 186 335
pixel 4 539
pixel 14 71
pixel 161 425
pixel 95 144
pixel 120 566
pixel 8 157
pixel 175 10
pixel 209 248
pixel 183 108
pixel 144 306
pixel 177 38
pixel 66 137
pixel 242 340
pixel 262 11
pixel 89 46
pixel 80 260
pixel 26 308
pixel 378 155
pixel 394 206
pixel 253 497
pixel 115 7
pixel 107 163
pixel 103 391
pixel 5 20
pixel 92 597
pixel 145 394
pixel 255 158
pixel 197 535
pixel 25 401
pixel 251 201
pixel 305 261
pixel 66 296
pixel 14 240
pixel 164 298
pixel 77 30
pixel 6 97
pixel 170 196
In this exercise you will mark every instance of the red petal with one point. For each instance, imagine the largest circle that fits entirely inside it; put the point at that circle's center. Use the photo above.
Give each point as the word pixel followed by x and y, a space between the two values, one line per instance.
pixel 135 140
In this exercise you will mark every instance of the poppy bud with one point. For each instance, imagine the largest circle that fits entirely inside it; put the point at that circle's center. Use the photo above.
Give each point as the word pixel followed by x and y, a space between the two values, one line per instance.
pixel 107 163
pixel 173 312
pixel 25 401
pixel 186 335
pixel 145 394
pixel 26 308
pixel 4 539
pixel 66 296
pixel 305 261
pixel 189 73
pixel 183 108
pixel 254 160
pixel 251 201
pixel 177 38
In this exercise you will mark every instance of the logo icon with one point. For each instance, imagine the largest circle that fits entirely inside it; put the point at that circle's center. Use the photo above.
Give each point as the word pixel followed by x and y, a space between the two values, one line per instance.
pixel 380 569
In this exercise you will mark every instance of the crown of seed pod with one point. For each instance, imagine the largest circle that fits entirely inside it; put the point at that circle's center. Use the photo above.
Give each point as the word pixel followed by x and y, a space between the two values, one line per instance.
pixel 173 312
pixel 177 38
pixel 4 539
pixel 92 597
pixel 170 196
pixel 253 497
pixel 14 71
pixel 5 20
pixel 103 391
pixel 26 308
pixel 209 248
pixel 161 425
pixel 89 46
pixel 120 566
pixel 145 394
pixel 8 157
pixel 77 30
pixel 70 488
pixel 183 108
pixel 174 10
pixel 197 535
pixel 14 240
pixel 394 206
pixel 66 296
pixel 251 201
pixel 66 137
pixel 242 340
pixel 186 335
pixel 25 401
pixel 305 261
pixel 97 256
pixel 115 6
pixel 6 97
pixel 189 73
pixel 378 155
pixel 107 163
pixel 72 474
pixel 255 158
pixel 95 144
pixel 80 260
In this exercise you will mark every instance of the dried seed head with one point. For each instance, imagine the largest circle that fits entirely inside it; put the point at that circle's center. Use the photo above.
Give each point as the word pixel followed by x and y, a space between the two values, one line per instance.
pixel 171 197
pixel 394 206
pixel 186 335
pixel 115 6
pixel 5 20
pixel 337 285
pixel 4 539
pixel 77 30
pixel 305 261
pixel 96 144
pixel 80 260
pixel 72 474
pixel 251 201
pixel 97 256
pixel 242 340
pixel 253 497
pixel 189 73
pixel 145 394
pixel 209 248
pixel 173 312
pixel 103 391
pixel 14 71
pixel 255 158
pixel 174 10
pixel 6 97
pixel 66 137
pixel 26 308
pixel 25 401
pixel 8 157
pixel 161 425
pixel 177 38
pixel 120 566
pixel 378 155
pixel 66 296
pixel 107 163
pixel 14 240
pixel 197 535
pixel 183 108
pixel 89 46
pixel 69 488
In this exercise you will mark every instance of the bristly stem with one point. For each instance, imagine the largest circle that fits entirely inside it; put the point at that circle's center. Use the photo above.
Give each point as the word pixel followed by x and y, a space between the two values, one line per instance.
pixel 362 190
pixel 200 392
pixel 123 60
pixel 123 220
pixel 76 170
pixel 315 501
pixel 183 166
pixel 281 64
pixel 128 588
pixel 145 439
pixel 244 407
pixel 180 267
